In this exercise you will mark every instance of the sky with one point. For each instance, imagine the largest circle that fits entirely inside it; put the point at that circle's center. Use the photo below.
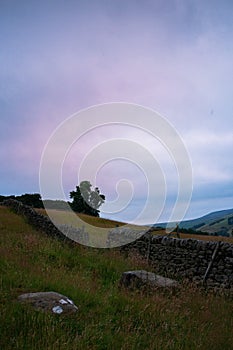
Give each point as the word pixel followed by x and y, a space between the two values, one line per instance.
pixel 175 57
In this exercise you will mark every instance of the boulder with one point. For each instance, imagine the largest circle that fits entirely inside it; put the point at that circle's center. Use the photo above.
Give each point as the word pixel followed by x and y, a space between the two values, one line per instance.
pixel 49 301
pixel 140 278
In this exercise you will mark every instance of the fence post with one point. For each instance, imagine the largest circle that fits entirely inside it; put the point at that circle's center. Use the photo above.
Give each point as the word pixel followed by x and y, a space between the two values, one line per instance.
pixel 211 261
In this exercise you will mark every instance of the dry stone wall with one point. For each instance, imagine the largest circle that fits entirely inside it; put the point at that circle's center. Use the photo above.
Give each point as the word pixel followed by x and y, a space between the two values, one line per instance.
pixel 211 262
pixel 200 261
pixel 43 223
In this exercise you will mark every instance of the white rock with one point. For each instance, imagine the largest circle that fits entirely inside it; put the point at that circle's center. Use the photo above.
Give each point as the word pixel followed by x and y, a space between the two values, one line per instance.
pixel 49 301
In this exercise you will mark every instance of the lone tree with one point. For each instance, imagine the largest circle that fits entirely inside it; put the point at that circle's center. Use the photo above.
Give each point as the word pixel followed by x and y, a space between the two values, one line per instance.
pixel 86 200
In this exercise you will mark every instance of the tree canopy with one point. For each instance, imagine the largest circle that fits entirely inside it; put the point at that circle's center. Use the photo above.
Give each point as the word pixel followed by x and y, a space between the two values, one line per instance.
pixel 86 200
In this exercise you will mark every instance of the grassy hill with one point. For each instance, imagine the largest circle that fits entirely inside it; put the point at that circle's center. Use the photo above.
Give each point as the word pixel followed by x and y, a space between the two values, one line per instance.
pixel 92 220
pixel 220 226
pixel 205 222
pixel 108 317
pixel 207 219
pixel 88 223
pixel 65 217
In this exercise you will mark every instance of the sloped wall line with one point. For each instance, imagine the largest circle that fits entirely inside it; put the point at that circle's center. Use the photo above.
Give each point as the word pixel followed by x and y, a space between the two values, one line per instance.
pixel 43 223
pixel 172 257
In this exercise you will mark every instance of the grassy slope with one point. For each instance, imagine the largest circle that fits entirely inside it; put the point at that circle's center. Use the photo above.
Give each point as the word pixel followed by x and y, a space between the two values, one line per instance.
pixel 64 217
pixel 97 228
pixel 216 226
pixel 92 220
pixel 207 219
pixel 108 318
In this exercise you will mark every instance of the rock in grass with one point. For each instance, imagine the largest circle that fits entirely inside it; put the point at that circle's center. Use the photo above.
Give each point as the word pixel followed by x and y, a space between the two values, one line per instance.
pixel 141 278
pixel 50 302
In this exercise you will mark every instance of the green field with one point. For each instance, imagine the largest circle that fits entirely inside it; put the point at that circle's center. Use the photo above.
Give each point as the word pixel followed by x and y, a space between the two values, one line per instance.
pixel 108 317
pixel 97 228
pixel 91 223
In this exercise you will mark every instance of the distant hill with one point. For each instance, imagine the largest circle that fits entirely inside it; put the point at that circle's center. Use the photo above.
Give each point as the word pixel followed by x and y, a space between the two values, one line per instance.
pixel 215 223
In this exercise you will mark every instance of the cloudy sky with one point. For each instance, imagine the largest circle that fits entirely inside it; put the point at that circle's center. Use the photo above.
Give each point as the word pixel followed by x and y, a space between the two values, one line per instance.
pixel 175 57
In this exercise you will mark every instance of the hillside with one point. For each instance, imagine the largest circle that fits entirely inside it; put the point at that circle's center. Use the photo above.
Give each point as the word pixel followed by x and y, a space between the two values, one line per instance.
pixel 221 226
pixel 64 217
pixel 216 223
pixel 108 317
pixel 92 220
pixel 89 224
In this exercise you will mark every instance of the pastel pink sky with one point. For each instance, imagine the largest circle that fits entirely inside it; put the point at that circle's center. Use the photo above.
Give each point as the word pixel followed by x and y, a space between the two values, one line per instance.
pixel 175 57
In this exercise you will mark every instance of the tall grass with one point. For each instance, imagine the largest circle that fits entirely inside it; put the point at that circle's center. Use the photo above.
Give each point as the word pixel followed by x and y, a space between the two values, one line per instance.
pixel 108 317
